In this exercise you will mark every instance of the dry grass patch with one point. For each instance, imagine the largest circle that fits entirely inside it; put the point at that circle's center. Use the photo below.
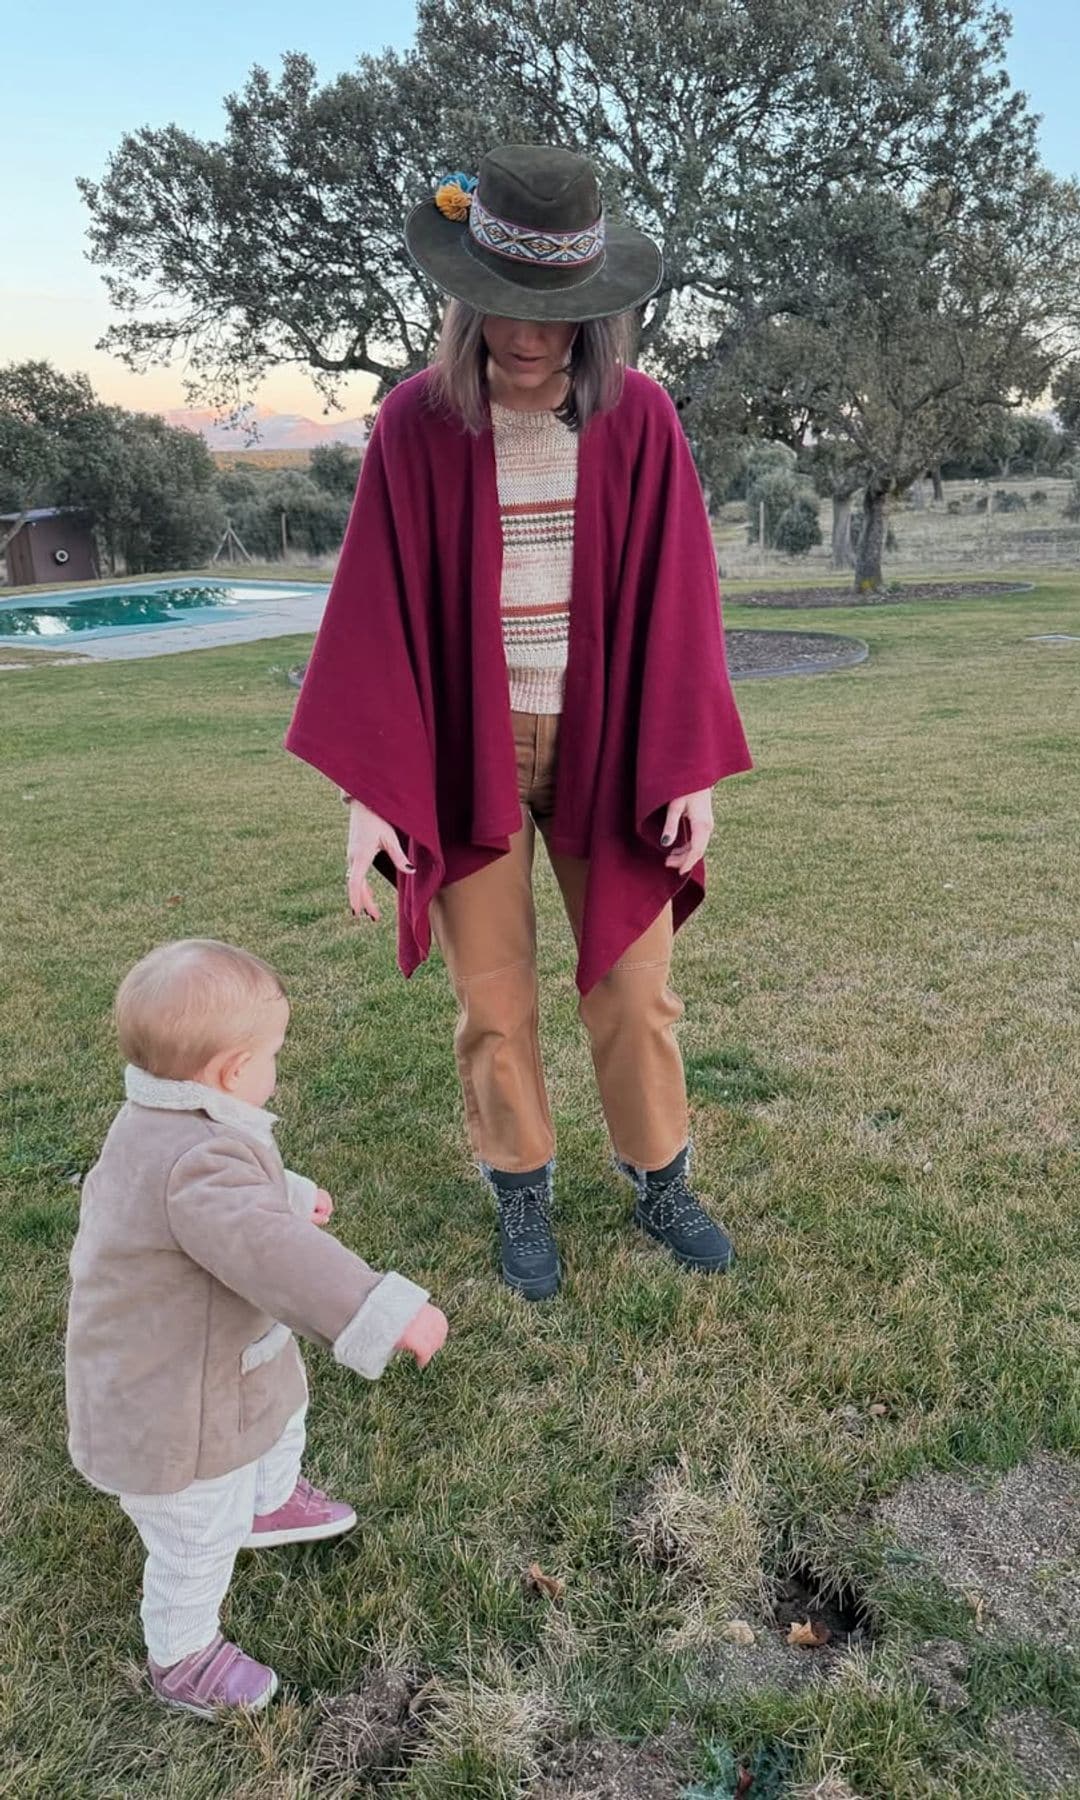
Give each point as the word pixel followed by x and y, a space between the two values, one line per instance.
pixel 705 1535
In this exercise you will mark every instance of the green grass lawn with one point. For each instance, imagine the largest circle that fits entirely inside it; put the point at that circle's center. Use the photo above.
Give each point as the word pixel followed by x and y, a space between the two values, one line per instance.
pixel 883 1043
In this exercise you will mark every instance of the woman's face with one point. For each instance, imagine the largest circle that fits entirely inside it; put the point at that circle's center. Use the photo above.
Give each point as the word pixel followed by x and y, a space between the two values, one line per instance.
pixel 528 354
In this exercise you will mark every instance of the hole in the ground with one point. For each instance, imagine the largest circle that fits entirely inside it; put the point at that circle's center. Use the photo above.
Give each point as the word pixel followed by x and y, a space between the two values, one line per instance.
pixel 804 1596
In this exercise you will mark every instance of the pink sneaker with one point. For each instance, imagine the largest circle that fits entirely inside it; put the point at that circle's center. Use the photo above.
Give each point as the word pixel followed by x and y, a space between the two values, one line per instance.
pixel 306 1516
pixel 219 1676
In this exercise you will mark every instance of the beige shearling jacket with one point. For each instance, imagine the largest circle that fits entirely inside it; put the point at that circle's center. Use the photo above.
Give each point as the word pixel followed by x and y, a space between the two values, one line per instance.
pixel 194 1263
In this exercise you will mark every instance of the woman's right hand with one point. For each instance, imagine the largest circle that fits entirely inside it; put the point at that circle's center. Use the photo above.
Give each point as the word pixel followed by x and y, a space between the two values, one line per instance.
pixel 368 834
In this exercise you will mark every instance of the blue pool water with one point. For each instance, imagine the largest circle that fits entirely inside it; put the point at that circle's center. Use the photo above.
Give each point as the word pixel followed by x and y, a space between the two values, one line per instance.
pixel 138 606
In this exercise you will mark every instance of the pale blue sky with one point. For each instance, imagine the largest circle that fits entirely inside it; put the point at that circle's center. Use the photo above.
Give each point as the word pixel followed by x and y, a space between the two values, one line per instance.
pixel 74 82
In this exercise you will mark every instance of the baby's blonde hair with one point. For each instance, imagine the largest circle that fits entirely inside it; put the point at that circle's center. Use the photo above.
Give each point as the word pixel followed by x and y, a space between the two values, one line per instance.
pixel 186 1002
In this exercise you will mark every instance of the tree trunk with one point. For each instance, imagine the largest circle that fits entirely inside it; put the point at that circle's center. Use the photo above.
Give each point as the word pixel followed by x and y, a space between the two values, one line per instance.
pixel 843 555
pixel 871 542
pixel 939 490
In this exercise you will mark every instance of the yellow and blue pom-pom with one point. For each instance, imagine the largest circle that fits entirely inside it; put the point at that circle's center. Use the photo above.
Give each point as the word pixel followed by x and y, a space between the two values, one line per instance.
pixel 453 196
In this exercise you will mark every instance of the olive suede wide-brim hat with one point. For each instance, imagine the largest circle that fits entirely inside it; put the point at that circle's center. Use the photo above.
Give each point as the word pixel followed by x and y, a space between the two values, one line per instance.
pixel 527 239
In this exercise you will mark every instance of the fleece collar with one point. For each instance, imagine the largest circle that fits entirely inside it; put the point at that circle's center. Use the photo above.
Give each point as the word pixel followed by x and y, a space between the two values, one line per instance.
pixel 192 1096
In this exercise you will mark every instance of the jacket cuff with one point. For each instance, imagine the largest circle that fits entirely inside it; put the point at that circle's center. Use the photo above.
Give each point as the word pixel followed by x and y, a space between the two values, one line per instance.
pixel 302 1192
pixel 372 1334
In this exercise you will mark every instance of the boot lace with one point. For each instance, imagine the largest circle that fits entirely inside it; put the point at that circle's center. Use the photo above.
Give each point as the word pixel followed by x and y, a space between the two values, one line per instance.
pixel 526 1217
pixel 672 1206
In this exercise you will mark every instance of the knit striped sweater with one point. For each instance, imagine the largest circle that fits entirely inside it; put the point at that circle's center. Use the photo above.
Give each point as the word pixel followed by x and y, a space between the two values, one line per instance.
pixel 536 464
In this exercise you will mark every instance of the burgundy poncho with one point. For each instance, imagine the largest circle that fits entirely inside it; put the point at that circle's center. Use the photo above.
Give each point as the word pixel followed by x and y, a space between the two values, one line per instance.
pixel 405 701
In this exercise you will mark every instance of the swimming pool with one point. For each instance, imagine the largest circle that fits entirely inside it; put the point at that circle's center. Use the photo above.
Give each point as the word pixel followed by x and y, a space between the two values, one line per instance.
pixel 139 606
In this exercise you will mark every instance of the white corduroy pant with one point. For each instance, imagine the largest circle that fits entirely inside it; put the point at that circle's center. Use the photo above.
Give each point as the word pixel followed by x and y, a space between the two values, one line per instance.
pixel 192 1539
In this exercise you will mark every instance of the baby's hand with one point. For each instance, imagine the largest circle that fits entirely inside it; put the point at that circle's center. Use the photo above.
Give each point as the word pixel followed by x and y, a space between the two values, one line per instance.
pixel 425 1335
pixel 323 1208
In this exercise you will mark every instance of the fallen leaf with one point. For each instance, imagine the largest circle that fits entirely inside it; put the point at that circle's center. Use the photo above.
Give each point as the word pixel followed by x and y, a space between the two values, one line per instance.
pixel 737 1631
pixel 175 900
pixel 744 1784
pixel 809 1635
pixel 879 1410
pixel 536 1582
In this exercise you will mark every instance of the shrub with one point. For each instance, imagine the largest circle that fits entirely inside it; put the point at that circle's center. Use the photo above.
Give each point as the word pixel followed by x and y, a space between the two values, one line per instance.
pixel 1039 497
pixel 954 507
pixel 791 506
pixel 798 528
pixel 1007 500
pixel 1072 503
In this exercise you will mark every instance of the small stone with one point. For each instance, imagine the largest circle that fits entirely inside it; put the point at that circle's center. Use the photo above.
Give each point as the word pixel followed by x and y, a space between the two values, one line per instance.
pixel 737 1631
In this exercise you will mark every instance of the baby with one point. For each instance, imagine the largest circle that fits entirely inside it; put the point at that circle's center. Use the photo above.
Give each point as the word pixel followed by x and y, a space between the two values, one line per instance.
pixel 197 1257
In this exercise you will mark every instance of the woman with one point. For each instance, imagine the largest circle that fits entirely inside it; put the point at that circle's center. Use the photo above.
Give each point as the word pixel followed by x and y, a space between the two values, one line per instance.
pixel 524 634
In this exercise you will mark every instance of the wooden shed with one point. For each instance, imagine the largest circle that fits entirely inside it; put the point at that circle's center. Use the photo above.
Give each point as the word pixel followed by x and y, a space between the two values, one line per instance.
pixel 48 544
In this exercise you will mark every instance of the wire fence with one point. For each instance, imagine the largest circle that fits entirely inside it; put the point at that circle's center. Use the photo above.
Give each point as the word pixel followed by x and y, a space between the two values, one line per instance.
pixel 1012 523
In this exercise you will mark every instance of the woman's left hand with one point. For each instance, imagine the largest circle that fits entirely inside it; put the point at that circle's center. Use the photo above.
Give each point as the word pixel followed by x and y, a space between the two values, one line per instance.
pixel 697 810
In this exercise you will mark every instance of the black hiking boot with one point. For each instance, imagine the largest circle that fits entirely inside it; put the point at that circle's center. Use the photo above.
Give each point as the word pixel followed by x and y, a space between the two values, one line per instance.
pixel 669 1211
pixel 530 1260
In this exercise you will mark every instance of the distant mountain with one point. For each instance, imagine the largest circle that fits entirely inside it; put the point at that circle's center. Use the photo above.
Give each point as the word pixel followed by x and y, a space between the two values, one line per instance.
pixel 259 428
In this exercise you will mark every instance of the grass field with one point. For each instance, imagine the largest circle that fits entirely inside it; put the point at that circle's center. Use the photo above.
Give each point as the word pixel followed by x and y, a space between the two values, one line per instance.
pixel 883 1040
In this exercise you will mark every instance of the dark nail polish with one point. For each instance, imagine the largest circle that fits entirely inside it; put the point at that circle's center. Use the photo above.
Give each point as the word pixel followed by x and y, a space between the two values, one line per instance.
pixel 666 840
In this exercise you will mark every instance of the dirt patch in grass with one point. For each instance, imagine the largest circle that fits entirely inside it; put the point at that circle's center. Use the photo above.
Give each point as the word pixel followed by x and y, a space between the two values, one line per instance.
pixel 891 596
pixel 764 653
pixel 1009 1547
pixel 941 1666
pixel 1046 1751
pixel 769 1662
pixel 369 1734
pixel 605 1769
